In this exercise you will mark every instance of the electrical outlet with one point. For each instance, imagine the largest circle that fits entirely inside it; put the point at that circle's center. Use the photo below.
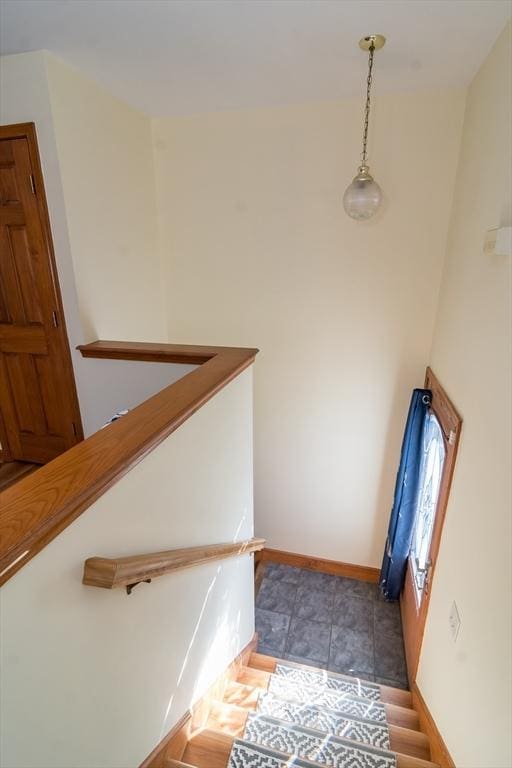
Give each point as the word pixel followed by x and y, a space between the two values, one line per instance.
pixel 454 621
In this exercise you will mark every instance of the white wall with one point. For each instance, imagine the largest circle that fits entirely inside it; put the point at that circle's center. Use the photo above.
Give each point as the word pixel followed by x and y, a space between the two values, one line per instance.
pixel 258 252
pixel 92 678
pixel 467 684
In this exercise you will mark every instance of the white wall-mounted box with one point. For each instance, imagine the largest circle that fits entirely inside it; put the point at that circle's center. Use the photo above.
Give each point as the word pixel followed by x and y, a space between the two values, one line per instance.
pixel 498 242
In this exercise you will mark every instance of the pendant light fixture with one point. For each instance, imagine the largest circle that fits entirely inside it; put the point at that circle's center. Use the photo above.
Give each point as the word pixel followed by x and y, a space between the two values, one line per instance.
pixel 363 196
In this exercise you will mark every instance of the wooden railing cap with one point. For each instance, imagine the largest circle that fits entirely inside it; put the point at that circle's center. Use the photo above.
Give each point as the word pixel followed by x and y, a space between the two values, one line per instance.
pixel 34 510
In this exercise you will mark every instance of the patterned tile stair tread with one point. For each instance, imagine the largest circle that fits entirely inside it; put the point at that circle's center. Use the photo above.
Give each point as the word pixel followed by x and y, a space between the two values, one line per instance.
pixel 352 685
pixel 290 690
pixel 315 746
pixel 246 755
pixel 326 720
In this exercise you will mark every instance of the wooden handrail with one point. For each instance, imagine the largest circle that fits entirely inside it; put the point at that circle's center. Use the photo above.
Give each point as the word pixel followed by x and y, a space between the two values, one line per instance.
pixel 188 354
pixel 110 573
pixel 37 508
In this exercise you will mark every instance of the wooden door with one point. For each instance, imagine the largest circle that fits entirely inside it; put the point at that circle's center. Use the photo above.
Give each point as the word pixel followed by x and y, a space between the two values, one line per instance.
pixel 415 596
pixel 38 403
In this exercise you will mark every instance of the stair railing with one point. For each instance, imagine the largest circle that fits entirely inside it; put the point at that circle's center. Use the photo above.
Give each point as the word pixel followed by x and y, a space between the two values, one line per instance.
pixel 109 573
pixel 37 508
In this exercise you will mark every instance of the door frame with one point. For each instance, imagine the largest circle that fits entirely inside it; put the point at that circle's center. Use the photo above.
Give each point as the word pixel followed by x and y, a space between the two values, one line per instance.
pixel 5 451
pixel 414 619
pixel 28 131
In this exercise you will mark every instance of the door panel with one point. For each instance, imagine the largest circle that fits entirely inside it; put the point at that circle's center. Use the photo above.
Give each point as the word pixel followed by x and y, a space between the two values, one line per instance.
pixel 29 308
pixel 414 602
pixel 432 467
pixel 37 391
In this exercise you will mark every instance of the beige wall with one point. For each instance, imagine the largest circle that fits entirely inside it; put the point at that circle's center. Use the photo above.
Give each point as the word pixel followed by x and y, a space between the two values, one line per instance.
pixel 258 251
pixel 24 97
pixel 467 684
pixel 115 385
pixel 101 200
pixel 92 678
pixel 97 163
pixel 106 165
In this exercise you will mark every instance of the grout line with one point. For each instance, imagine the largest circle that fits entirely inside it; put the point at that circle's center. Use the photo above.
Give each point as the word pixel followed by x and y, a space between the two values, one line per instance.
pixel 330 637
pixel 373 641
pixel 272 610
pixel 332 625
pixel 291 618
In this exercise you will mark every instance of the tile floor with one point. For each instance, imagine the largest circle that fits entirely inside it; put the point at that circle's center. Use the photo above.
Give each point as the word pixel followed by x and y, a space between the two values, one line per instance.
pixel 330 622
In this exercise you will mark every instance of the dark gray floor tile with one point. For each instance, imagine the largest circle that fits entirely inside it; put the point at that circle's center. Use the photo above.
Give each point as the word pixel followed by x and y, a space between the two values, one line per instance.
pixel 351 651
pixel 355 588
pixel 266 651
pixel 308 662
pixel 391 683
pixel 317 580
pixel 341 624
pixel 272 629
pixel 314 604
pixel 309 639
pixel 390 658
pixel 367 676
pixel 380 597
pixel 353 613
pixel 387 619
pixel 276 596
pixel 281 572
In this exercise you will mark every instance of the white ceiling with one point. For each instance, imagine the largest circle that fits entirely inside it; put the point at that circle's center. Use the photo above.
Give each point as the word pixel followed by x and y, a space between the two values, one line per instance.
pixel 181 56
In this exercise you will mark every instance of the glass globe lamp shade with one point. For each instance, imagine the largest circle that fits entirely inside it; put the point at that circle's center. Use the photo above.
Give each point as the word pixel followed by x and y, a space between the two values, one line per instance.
pixel 363 196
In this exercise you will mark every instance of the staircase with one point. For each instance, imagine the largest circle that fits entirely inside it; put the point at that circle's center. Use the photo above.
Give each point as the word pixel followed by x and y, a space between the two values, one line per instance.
pixel 277 714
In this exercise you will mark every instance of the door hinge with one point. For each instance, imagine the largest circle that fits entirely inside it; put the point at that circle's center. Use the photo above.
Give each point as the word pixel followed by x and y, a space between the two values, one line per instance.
pixel 32 184
pixel 73 425
pixel 55 319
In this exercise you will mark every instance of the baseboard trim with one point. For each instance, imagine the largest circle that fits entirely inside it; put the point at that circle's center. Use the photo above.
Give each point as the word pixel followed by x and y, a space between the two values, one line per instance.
pixel 350 570
pixel 438 749
pixel 174 743
pixel 259 573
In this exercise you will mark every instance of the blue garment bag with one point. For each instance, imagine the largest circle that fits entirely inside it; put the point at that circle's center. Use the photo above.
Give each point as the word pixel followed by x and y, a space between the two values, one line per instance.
pixel 403 512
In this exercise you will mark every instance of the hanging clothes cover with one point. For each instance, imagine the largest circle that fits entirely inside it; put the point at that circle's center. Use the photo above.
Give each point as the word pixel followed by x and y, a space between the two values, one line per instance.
pixel 403 512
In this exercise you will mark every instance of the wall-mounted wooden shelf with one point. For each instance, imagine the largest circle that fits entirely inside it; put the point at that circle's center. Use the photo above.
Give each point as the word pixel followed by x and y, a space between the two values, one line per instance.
pixel 110 573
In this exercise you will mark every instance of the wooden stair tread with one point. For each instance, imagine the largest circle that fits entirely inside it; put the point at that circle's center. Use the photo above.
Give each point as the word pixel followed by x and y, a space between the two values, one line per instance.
pixel 330 707
pixel 171 763
pixel 211 749
pixel 241 695
pixel 403 717
pixel 227 718
pixel 258 680
pixel 407 741
pixel 388 695
pixel 231 719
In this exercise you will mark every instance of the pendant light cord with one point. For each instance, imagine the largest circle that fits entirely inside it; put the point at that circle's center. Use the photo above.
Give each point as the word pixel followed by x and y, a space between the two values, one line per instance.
pixel 364 154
